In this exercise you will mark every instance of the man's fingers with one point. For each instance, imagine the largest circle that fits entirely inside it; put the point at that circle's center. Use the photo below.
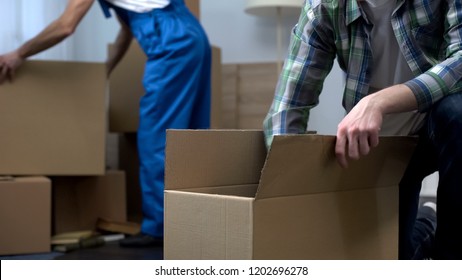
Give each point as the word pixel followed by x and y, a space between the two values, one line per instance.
pixel 364 145
pixel 340 149
pixel 353 149
pixel 374 139
pixel 3 73
pixel 11 75
pixel 354 146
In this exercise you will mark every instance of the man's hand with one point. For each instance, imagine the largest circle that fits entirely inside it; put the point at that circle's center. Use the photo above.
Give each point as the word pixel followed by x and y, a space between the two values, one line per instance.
pixel 358 132
pixel 9 63
pixel 54 33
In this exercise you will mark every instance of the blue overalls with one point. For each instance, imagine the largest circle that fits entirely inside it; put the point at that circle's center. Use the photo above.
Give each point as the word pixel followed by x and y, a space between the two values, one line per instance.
pixel 177 92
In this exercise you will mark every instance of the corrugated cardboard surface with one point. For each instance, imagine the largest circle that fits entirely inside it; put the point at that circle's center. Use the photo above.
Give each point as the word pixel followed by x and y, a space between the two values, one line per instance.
pixel 312 167
pixel 218 228
pixel 305 206
pixel 126 90
pixel 79 201
pixel 345 225
pixel 53 120
pixel 25 215
pixel 204 158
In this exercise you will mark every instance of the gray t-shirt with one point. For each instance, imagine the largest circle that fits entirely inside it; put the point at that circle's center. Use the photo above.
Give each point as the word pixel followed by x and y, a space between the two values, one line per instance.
pixel 389 65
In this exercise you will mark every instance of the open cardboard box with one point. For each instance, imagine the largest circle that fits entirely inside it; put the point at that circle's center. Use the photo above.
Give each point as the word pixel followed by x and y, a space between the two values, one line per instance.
pixel 226 198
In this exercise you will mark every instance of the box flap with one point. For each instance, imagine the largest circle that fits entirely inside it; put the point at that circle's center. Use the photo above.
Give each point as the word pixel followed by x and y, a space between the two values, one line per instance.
pixel 306 164
pixel 205 158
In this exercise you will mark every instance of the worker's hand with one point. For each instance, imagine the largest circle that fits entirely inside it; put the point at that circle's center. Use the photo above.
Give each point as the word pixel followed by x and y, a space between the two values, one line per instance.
pixel 358 132
pixel 9 63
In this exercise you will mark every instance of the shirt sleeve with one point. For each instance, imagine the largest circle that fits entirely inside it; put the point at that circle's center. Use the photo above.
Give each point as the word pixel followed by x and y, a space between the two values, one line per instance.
pixel 445 77
pixel 309 60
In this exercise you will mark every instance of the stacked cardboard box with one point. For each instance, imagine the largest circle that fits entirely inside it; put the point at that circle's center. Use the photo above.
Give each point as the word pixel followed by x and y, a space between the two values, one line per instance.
pixel 78 202
pixel 25 215
pixel 53 121
pixel 226 198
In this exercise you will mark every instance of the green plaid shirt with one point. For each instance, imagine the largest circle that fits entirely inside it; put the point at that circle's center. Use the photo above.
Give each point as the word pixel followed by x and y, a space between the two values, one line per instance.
pixel 428 32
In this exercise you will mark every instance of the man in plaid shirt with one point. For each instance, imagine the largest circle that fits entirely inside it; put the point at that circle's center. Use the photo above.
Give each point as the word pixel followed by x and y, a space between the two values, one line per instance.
pixel 403 63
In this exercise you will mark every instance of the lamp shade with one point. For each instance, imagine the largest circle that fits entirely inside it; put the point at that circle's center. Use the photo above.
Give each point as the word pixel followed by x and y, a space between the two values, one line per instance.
pixel 268 7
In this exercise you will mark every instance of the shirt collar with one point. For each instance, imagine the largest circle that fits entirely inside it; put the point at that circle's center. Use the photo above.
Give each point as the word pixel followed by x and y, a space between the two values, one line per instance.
pixel 353 11
pixel 399 3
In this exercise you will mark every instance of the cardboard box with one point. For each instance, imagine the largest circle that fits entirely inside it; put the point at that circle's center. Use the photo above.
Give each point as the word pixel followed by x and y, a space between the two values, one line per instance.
pixel 126 90
pixel 53 120
pixel 130 164
pixel 78 202
pixel 226 198
pixel 25 215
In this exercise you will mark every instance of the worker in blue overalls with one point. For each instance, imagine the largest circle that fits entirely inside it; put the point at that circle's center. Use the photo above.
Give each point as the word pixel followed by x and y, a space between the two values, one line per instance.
pixel 176 82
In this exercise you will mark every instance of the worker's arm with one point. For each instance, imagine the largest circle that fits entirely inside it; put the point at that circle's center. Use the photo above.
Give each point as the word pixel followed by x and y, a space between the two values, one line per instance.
pixel 121 44
pixel 54 33
pixel 358 132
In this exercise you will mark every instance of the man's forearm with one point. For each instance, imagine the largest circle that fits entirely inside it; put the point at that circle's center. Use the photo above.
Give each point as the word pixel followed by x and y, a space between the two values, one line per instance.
pixel 122 43
pixel 58 30
pixel 395 99
pixel 49 37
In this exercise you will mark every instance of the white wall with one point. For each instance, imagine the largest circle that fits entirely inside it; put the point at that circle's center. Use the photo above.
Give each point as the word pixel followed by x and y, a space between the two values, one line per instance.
pixel 244 38
pixel 20 20
pixel 94 34
pixel 9 23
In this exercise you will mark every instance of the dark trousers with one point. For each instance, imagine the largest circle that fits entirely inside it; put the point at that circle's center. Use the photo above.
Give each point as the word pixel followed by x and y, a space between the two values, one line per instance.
pixel 439 149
